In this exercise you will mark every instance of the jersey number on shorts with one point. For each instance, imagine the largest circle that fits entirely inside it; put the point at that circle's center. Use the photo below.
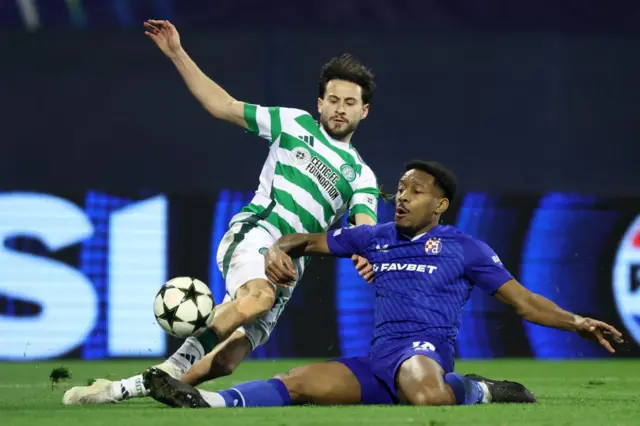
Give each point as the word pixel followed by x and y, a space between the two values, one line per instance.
pixel 424 346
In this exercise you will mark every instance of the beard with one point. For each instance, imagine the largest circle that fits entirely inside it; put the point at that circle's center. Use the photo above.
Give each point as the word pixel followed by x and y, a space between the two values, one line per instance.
pixel 403 227
pixel 340 134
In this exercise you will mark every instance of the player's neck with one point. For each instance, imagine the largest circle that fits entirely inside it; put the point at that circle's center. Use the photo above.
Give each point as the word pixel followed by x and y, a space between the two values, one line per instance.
pixel 413 234
pixel 346 139
pixel 426 229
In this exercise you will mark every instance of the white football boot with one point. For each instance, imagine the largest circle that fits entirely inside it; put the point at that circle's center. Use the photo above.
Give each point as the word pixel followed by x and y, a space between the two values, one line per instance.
pixel 102 390
pixel 97 393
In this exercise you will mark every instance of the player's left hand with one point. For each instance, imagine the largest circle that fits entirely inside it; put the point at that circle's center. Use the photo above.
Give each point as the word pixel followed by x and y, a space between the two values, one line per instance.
pixel 364 267
pixel 598 331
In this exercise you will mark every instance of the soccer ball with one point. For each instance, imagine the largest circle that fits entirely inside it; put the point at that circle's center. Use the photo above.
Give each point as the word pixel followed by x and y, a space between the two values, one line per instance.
pixel 183 307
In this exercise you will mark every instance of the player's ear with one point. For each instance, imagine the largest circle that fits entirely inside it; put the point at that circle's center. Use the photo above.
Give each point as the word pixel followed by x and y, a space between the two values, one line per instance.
pixel 365 111
pixel 320 102
pixel 443 205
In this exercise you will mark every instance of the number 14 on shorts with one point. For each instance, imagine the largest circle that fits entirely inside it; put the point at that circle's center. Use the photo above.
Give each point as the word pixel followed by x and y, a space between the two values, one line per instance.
pixel 424 346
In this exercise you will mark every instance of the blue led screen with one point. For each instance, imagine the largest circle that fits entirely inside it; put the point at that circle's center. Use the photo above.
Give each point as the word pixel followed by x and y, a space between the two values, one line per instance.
pixel 78 273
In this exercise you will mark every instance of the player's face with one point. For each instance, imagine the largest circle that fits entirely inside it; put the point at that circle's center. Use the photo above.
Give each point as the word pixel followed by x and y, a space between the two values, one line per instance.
pixel 341 109
pixel 419 202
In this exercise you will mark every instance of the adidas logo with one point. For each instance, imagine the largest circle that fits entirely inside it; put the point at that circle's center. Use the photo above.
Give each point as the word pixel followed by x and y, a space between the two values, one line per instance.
pixel 188 357
pixel 309 140
pixel 383 249
pixel 125 392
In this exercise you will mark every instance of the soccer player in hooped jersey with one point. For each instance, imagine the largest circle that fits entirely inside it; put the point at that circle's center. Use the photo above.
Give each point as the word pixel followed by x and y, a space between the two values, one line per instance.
pixel 424 273
pixel 312 176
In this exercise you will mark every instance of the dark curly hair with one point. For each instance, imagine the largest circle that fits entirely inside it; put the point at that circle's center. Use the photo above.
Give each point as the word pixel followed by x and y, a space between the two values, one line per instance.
pixel 347 67
pixel 444 178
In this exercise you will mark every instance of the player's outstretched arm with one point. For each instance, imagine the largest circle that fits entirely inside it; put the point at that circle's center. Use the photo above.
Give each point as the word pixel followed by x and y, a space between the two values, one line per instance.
pixel 277 259
pixel 212 97
pixel 538 309
pixel 297 245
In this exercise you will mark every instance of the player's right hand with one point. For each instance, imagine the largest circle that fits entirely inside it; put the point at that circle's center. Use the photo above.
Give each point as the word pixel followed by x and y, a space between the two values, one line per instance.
pixel 278 267
pixel 165 35
pixel 364 268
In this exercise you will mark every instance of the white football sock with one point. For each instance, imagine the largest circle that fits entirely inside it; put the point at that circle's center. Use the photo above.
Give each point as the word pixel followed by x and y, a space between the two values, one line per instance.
pixel 190 352
pixel 214 399
pixel 133 387
pixel 486 398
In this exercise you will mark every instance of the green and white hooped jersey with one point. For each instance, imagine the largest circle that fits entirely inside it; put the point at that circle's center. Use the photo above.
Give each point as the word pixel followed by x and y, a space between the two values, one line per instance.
pixel 309 179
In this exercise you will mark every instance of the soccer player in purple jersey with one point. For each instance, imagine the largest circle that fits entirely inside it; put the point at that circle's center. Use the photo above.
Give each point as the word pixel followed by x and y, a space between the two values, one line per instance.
pixel 425 272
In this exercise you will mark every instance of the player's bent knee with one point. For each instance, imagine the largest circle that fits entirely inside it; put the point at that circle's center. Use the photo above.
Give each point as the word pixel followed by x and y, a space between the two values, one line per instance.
pixel 256 304
pixel 256 297
pixel 297 384
pixel 263 298
pixel 298 388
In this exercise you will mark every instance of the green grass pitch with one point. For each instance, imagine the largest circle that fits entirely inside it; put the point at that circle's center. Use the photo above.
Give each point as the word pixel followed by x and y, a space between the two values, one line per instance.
pixel 570 393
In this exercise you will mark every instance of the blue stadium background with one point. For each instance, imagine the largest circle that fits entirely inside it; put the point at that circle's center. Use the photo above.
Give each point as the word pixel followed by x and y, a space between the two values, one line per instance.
pixel 534 107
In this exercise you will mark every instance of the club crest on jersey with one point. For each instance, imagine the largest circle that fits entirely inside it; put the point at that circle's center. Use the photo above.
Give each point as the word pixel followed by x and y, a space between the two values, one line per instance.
pixel 348 172
pixel 300 156
pixel 433 246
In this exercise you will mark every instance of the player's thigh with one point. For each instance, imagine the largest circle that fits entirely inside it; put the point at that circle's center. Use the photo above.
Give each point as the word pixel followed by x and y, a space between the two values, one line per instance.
pixel 324 383
pixel 241 261
pixel 260 301
pixel 240 255
pixel 242 265
pixel 420 381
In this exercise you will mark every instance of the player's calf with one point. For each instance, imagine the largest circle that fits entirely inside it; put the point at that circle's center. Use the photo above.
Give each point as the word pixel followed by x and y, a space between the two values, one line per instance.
pixel 324 383
pixel 220 362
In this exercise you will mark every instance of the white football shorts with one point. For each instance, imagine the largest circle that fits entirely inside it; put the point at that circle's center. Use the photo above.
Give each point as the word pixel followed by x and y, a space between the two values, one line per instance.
pixel 240 259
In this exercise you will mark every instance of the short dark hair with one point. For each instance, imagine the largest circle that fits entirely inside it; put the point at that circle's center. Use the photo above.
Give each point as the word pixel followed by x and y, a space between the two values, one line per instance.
pixel 444 178
pixel 347 67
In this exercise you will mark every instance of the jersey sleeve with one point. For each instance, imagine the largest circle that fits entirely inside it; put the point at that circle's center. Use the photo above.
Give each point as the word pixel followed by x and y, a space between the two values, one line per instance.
pixel 268 122
pixel 483 266
pixel 344 242
pixel 365 196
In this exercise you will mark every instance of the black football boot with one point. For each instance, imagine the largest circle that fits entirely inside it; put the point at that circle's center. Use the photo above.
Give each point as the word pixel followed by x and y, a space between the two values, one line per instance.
pixel 169 391
pixel 505 392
